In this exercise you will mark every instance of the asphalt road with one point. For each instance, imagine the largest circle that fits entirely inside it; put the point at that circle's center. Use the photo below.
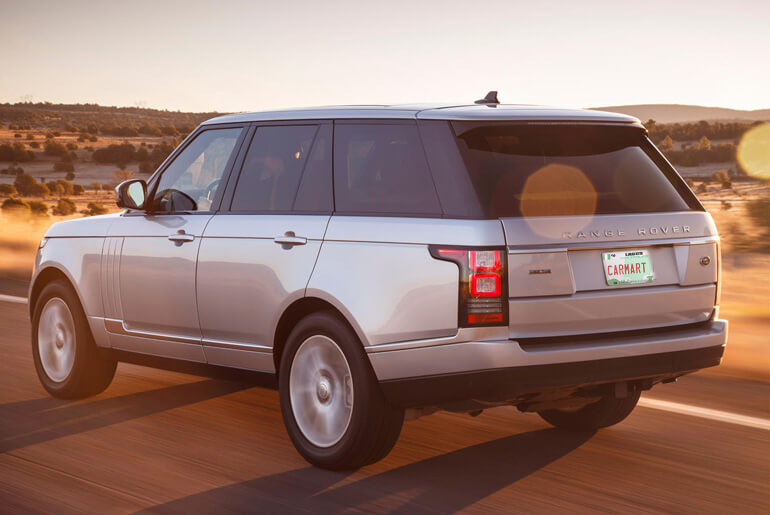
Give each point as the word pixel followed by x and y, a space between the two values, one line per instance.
pixel 167 442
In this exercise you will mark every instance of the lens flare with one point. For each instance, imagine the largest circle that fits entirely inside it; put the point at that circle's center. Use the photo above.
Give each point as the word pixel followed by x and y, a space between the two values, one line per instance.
pixel 558 190
pixel 754 151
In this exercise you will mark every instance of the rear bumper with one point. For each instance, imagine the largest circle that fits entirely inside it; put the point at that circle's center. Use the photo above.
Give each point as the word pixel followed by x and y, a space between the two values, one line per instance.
pixel 501 369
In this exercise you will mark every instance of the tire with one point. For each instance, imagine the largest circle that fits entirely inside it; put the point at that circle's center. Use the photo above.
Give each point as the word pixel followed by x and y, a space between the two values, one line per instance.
pixel 332 405
pixel 68 362
pixel 604 413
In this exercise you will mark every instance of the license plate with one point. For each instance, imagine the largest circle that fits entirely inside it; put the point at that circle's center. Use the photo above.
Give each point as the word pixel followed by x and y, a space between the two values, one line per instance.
pixel 627 267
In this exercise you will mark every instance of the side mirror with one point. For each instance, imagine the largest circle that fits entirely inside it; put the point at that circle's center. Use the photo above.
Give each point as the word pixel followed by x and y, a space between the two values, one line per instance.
pixel 131 194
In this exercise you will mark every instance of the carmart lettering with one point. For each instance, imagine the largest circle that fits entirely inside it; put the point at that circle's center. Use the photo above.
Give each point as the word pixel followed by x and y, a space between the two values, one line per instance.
pixel 626 269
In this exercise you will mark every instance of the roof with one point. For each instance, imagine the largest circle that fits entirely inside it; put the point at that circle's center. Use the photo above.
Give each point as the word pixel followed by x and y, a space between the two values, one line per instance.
pixel 500 112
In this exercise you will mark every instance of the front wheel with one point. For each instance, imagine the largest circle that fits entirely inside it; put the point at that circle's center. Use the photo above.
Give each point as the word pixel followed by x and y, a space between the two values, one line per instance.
pixel 67 361
pixel 607 411
pixel 332 406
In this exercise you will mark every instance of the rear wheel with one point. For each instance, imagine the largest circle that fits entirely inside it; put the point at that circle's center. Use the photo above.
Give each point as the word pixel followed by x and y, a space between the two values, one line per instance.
pixel 68 362
pixel 606 412
pixel 332 406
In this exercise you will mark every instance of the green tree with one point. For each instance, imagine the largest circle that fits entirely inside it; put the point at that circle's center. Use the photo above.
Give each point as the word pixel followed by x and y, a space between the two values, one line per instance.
pixel 78 189
pixel 704 143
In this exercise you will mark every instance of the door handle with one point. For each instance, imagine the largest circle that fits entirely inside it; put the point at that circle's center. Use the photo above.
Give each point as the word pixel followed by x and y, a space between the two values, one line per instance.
pixel 181 237
pixel 289 239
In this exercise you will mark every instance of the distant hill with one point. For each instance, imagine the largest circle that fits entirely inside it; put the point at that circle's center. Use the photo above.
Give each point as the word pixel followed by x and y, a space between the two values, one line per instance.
pixel 679 113
pixel 45 114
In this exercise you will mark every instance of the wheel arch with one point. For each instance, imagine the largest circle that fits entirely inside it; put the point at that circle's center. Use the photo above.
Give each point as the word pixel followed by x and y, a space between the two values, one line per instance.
pixel 298 310
pixel 44 277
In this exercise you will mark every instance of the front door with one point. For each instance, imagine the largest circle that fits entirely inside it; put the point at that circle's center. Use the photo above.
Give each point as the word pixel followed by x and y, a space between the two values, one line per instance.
pixel 152 255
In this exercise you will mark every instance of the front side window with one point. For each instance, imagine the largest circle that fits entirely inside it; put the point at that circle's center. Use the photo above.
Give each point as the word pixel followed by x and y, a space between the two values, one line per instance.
pixel 192 180
pixel 273 168
pixel 381 169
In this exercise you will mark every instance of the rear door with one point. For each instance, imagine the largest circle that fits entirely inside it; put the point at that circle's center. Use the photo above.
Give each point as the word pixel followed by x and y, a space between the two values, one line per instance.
pixel 258 252
pixel 602 234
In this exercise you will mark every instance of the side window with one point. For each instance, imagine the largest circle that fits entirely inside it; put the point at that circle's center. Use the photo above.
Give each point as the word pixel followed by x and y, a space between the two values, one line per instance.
pixel 315 190
pixel 192 180
pixel 381 168
pixel 273 167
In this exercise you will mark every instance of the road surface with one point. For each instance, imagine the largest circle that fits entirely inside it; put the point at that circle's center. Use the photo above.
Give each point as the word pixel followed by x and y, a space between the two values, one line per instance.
pixel 172 443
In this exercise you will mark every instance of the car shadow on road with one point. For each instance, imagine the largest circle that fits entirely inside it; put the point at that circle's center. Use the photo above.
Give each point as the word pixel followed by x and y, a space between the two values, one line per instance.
pixel 35 421
pixel 444 483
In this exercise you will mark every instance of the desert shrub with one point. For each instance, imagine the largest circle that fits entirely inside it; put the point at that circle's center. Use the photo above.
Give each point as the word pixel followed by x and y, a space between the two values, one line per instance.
pixel 61 187
pixel 72 146
pixel 70 128
pixel 56 133
pixel 702 188
pixel 83 137
pixel 93 139
pixel 15 169
pixel 63 166
pixel 30 136
pixel 96 186
pixel 64 207
pixel 70 176
pixel 721 177
pixel 142 154
pixel 28 186
pixel 16 153
pixel 95 208
pixel 726 205
pixel 38 208
pixel 34 144
pixel 49 135
pixel 118 154
pixel 15 207
pixel 17 135
pixel 150 130
pixel 8 189
pixel 52 148
pixel 78 189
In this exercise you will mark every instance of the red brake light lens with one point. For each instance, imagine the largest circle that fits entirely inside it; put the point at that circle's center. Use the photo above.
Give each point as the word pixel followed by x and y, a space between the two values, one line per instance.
pixel 485 285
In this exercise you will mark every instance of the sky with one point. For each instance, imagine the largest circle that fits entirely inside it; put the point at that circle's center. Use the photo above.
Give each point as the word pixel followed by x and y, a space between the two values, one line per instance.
pixel 234 55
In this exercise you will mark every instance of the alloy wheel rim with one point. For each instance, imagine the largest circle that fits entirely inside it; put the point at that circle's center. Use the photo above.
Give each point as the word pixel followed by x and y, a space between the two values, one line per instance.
pixel 56 339
pixel 321 391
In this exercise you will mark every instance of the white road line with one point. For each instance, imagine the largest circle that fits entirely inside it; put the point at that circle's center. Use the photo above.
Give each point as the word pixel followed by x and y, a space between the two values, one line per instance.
pixel 712 414
pixel 11 298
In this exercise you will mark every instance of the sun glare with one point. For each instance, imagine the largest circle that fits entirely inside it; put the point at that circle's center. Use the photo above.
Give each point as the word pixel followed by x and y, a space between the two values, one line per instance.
pixel 754 151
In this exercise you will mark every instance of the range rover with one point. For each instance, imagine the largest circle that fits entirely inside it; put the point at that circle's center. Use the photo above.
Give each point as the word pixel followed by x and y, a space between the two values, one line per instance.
pixel 379 263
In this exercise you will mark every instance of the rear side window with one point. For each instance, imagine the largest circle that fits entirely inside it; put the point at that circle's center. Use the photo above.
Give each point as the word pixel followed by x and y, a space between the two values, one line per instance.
pixel 273 168
pixel 552 170
pixel 381 168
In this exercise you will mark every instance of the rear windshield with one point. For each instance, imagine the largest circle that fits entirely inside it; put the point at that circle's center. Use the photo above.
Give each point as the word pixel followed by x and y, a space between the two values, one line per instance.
pixel 552 170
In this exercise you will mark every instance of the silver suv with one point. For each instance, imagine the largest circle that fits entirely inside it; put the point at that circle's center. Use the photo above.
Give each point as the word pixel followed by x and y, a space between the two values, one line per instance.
pixel 377 263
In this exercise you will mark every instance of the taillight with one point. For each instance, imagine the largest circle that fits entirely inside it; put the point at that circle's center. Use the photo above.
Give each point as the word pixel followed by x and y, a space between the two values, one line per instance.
pixel 483 284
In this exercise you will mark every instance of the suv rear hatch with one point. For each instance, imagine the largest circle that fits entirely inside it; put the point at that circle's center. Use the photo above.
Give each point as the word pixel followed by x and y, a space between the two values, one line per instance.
pixel 602 234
